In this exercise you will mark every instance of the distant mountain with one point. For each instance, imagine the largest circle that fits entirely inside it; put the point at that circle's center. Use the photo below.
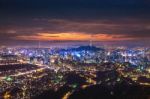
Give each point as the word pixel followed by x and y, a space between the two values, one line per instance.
pixel 84 48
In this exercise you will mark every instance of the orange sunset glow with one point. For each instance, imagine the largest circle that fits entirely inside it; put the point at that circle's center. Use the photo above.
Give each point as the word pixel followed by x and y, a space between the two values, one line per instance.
pixel 72 36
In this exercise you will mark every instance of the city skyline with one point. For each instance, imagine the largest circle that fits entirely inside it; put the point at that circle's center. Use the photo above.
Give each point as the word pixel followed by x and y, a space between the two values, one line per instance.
pixel 74 49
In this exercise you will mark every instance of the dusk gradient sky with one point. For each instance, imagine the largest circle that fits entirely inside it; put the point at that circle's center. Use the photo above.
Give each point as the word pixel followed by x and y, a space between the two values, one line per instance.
pixel 27 21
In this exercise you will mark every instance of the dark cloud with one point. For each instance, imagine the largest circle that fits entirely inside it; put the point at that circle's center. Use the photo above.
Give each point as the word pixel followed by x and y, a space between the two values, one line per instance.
pixel 120 18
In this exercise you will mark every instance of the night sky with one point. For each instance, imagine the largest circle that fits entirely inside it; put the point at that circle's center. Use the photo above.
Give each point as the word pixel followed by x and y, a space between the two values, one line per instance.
pixel 23 22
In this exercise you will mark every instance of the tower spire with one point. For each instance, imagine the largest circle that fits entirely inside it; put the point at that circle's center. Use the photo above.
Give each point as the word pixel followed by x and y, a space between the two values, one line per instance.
pixel 39 45
pixel 91 40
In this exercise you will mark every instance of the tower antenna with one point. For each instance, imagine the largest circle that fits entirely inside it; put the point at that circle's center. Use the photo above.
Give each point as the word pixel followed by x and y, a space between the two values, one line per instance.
pixel 39 45
pixel 91 40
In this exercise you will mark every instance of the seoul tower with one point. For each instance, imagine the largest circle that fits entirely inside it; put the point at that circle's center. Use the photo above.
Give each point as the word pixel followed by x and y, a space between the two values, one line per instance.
pixel 91 40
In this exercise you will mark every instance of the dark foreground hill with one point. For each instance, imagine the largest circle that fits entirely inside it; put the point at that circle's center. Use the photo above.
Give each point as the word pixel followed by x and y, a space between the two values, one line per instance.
pixel 122 91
